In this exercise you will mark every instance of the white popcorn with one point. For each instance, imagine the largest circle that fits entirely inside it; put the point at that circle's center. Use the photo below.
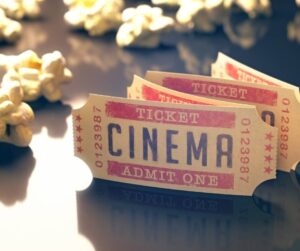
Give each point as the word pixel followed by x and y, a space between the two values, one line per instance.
pixel 38 76
pixel 167 2
pixel 14 115
pixel 201 15
pixel 10 30
pixel 95 16
pixel 142 26
pixel 19 9
pixel 293 29
pixel 298 2
pixel 252 7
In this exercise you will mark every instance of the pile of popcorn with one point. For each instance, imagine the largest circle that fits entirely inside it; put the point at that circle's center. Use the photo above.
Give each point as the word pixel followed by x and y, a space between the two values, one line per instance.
pixel 28 77
pixel 143 25
pixel 10 30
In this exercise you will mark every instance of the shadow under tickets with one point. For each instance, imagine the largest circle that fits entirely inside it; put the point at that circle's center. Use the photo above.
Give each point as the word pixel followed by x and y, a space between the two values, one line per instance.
pixel 118 216
pixel 16 167
pixel 53 116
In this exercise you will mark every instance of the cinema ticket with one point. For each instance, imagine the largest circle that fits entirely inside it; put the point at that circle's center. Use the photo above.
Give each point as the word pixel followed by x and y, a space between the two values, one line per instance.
pixel 228 68
pixel 276 105
pixel 193 147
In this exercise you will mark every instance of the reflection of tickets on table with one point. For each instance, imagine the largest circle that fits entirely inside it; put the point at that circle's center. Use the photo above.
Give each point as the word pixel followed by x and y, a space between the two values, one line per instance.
pixel 213 222
pixel 142 143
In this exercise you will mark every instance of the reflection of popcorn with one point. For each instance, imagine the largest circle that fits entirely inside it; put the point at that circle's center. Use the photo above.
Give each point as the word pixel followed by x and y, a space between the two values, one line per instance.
pixel 193 64
pixel 293 29
pixel 167 2
pixel 38 76
pixel 33 35
pixel 96 16
pixel 14 115
pixel 201 15
pixel 142 26
pixel 84 51
pixel 10 30
pixel 21 8
pixel 246 32
pixel 252 7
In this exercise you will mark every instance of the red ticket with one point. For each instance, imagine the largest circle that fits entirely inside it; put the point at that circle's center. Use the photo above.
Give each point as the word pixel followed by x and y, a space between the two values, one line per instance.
pixel 278 106
pixel 204 148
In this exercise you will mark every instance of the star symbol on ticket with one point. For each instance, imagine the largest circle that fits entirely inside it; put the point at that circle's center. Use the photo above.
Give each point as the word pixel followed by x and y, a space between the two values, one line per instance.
pixel 268 158
pixel 268 147
pixel 268 170
pixel 78 128
pixel 79 149
pixel 78 118
pixel 269 136
pixel 79 139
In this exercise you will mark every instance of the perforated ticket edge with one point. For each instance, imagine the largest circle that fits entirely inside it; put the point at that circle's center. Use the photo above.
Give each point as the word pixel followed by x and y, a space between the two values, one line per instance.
pixel 256 179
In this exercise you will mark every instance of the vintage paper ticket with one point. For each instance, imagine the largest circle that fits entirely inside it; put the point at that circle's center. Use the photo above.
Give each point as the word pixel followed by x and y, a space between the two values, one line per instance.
pixel 228 68
pixel 276 105
pixel 146 90
pixel 176 146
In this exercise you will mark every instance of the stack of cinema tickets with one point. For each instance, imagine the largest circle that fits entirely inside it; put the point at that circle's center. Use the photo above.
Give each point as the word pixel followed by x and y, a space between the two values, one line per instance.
pixel 223 134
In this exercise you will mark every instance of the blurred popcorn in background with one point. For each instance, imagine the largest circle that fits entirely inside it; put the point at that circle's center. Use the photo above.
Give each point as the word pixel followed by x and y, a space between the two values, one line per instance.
pixel 142 27
pixel 19 9
pixel 95 16
pixel 10 30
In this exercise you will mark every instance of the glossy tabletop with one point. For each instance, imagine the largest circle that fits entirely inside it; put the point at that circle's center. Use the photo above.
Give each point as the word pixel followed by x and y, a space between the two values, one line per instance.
pixel 48 200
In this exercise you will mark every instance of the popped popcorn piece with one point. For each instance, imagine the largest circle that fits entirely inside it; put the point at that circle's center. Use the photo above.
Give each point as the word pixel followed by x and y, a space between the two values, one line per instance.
pixel 293 29
pixel 19 9
pixel 201 15
pixel 10 30
pixel 142 27
pixel 298 2
pixel 95 16
pixel 252 7
pixel 15 115
pixel 167 2
pixel 38 76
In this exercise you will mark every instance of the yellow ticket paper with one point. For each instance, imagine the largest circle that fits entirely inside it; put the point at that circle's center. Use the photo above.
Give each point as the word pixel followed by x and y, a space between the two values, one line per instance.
pixel 276 105
pixel 176 146
pixel 146 90
pixel 228 68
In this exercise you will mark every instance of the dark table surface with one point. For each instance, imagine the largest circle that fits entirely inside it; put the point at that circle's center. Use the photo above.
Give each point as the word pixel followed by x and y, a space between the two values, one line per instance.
pixel 46 199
